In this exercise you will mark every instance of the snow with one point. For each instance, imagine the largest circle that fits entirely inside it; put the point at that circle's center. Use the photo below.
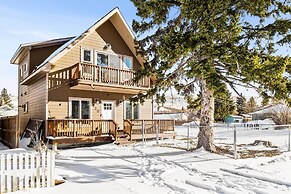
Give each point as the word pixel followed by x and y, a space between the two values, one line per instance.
pixel 7 110
pixel 151 168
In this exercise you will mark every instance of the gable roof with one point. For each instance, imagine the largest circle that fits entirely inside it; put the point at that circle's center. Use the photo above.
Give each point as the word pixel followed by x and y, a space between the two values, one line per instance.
pixel 27 46
pixel 118 22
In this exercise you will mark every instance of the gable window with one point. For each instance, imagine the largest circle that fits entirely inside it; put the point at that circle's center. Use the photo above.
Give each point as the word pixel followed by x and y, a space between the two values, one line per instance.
pixel 132 111
pixel 127 62
pixel 24 68
pixel 80 108
pixel 87 55
pixel 20 70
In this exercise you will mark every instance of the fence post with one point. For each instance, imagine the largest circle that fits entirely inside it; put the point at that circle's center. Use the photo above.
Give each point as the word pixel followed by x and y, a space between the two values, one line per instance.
pixel 142 128
pixel 52 164
pixel 2 168
pixel 289 143
pixel 234 143
pixel 157 132
pixel 188 138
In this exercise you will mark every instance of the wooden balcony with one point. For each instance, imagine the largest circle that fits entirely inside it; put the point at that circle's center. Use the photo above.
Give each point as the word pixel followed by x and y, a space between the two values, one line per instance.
pixel 72 131
pixel 150 129
pixel 87 76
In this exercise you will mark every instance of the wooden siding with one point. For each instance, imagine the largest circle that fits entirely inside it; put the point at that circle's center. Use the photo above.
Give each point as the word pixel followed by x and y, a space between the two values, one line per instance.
pixel 38 55
pixel 146 112
pixel 25 60
pixel 35 95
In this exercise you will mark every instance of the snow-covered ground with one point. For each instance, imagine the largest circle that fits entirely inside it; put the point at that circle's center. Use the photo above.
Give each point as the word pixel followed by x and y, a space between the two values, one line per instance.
pixel 151 168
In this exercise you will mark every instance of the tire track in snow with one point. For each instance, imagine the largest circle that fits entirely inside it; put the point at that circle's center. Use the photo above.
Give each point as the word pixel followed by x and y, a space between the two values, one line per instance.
pixel 228 182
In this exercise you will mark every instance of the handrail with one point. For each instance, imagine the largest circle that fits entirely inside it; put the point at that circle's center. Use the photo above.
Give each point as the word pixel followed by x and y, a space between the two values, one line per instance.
pixel 127 128
pixel 150 126
pixel 111 75
pixel 81 127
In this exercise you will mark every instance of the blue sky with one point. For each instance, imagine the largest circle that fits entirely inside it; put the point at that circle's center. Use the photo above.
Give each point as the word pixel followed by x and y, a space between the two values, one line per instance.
pixel 23 21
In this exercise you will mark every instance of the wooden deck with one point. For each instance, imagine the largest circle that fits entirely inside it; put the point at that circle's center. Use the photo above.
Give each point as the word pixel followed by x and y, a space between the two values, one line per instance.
pixel 84 131
pixel 73 131
pixel 150 128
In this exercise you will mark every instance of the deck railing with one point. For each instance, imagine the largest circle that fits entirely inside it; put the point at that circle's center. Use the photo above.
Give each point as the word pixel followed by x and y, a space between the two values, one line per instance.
pixel 149 126
pixel 98 74
pixel 81 127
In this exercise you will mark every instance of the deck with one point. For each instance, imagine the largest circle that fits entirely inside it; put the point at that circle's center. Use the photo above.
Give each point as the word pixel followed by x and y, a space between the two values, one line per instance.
pixel 83 131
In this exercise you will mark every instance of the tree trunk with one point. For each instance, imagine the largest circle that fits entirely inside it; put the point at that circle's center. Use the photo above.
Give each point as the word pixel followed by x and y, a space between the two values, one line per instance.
pixel 205 135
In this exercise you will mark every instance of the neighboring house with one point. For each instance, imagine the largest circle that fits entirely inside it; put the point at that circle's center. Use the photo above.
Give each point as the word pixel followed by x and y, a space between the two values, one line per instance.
pixel 280 113
pixel 80 86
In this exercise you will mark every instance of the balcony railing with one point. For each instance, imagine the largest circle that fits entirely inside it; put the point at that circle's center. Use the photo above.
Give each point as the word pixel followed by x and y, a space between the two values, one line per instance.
pixel 81 127
pixel 109 75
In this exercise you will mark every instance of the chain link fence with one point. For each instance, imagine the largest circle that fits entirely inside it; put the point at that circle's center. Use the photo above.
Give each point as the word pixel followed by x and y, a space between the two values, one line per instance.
pixel 238 140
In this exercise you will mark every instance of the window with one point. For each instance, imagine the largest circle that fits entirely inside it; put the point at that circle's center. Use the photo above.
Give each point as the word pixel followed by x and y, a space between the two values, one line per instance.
pixel 132 111
pixel 20 70
pixel 87 55
pixel 24 68
pixel 107 106
pixel 102 60
pixel 80 108
pixel 25 107
pixel 127 62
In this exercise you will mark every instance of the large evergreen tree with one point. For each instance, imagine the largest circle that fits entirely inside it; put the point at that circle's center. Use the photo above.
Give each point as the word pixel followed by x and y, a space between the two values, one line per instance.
pixel 210 44
pixel 5 98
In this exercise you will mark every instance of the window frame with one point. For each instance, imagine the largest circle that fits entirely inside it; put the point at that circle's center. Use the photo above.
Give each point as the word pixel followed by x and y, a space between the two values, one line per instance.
pixel 132 110
pixel 123 61
pixel 80 107
pixel 24 66
pixel 91 55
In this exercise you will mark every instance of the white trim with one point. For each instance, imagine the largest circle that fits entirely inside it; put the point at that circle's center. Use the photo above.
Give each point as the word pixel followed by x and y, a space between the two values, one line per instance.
pixel 113 108
pixel 132 110
pixel 25 67
pixel 80 99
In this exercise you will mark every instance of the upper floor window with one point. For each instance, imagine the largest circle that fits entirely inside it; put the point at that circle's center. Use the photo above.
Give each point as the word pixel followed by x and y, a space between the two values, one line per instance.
pixel 87 55
pixel 102 60
pixel 24 68
pixel 20 70
pixel 127 62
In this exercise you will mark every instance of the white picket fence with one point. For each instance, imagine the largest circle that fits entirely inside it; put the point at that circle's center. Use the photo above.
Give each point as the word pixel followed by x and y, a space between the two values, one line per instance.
pixel 26 170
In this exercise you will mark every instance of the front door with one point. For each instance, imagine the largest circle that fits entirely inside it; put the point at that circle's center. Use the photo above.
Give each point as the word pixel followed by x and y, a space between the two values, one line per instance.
pixel 108 110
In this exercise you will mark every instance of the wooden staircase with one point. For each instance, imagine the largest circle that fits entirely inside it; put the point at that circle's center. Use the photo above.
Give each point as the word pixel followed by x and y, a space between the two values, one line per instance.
pixel 122 138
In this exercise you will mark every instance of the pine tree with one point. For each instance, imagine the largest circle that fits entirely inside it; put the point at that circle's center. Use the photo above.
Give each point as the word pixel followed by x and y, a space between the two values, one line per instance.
pixel 223 106
pixel 208 45
pixel 241 105
pixel 251 105
pixel 5 98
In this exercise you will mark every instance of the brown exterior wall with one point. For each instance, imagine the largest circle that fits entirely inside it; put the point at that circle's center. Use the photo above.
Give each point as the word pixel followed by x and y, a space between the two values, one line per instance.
pixel 35 95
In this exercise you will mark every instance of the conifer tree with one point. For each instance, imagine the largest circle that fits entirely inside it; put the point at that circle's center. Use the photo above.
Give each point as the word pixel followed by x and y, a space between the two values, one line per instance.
pixel 5 98
pixel 223 106
pixel 251 105
pixel 265 102
pixel 207 45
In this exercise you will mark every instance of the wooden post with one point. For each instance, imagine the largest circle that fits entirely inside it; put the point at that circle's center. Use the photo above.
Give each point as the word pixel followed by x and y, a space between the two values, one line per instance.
pixel 188 138
pixel 157 133
pixel 8 168
pixel 234 143
pixel 52 164
pixel 26 167
pixel 99 73
pixel 118 76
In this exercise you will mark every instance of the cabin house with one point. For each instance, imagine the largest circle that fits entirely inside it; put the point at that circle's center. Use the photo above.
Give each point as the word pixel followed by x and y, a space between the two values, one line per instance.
pixel 80 86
